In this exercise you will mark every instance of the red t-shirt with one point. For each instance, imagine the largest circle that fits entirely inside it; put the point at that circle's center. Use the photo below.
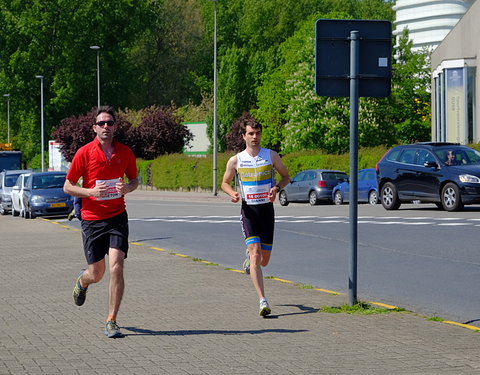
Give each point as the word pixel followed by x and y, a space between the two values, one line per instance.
pixel 90 163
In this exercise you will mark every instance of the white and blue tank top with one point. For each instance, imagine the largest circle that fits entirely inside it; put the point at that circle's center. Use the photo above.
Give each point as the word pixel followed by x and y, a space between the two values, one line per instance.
pixel 256 176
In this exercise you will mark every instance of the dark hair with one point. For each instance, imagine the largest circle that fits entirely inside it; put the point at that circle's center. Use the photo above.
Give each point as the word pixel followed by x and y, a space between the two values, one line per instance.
pixel 104 109
pixel 248 120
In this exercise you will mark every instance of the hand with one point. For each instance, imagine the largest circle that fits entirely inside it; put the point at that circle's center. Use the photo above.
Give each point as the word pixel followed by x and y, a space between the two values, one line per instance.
pixel 121 187
pixel 99 190
pixel 272 194
pixel 235 197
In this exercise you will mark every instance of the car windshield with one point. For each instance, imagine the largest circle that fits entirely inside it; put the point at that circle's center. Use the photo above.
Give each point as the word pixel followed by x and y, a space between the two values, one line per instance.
pixel 48 181
pixel 458 156
pixel 11 179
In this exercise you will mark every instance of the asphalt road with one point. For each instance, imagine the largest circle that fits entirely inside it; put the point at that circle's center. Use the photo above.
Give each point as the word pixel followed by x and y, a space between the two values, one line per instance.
pixel 418 257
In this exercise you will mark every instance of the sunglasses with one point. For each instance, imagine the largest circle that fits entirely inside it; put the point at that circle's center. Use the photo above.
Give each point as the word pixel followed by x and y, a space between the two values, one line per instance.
pixel 102 123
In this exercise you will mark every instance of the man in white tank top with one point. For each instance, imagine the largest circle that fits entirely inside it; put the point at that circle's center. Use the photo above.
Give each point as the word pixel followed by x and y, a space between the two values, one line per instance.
pixel 255 167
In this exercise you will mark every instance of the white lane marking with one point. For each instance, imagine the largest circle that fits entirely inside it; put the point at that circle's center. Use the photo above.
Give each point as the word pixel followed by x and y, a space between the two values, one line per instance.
pixel 391 220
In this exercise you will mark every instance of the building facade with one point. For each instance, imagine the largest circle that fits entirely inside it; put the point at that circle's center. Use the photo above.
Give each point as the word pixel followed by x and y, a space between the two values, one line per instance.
pixel 454 64
pixel 428 21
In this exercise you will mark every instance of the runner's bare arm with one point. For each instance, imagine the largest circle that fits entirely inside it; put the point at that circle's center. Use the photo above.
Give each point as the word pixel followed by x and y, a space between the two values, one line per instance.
pixel 81 192
pixel 123 188
pixel 282 171
pixel 229 175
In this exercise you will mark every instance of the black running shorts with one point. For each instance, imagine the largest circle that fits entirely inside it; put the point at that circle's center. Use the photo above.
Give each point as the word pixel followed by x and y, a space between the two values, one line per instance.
pixel 258 223
pixel 100 235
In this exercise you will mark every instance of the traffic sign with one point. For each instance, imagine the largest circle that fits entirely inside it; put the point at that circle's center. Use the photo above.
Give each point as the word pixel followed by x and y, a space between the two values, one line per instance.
pixel 332 57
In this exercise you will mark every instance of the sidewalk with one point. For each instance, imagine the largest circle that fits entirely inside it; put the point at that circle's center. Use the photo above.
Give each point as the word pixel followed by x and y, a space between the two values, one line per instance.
pixel 181 316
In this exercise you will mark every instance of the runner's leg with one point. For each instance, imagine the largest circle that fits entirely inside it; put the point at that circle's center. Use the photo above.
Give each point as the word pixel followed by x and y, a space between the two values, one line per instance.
pixel 93 274
pixel 256 273
pixel 116 284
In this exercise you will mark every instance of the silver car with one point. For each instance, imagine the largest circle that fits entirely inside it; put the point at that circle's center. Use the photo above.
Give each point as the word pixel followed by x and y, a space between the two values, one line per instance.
pixel 7 180
pixel 313 186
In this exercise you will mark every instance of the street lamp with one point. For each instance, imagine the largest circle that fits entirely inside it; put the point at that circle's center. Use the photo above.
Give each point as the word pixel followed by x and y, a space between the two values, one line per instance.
pixel 97 48
pixel 41 121
pixel 215 98
pixel 8 116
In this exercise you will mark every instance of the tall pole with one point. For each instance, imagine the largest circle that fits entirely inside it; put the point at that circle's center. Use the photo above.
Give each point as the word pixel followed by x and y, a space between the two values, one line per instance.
pixel 41 122
pixel 215 99
pixel 353 205
pixel 97 48
pixel 8 116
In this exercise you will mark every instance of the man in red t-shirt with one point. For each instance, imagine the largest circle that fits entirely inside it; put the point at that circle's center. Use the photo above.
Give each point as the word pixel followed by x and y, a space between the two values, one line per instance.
pixel 102 164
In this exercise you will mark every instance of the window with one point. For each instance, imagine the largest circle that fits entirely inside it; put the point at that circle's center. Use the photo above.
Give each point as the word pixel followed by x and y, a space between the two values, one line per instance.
pixel 424 157
pixel 299 177
pixel 408 156
pixel 454 85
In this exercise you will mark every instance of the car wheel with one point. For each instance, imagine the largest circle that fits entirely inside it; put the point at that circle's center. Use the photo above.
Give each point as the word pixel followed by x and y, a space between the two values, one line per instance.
pixel 451 199
pixel 337 198
pixel 389 197
pixel 31 214
pixel 2 210
pixel 283 198
pixel 15 212
pixel 313 199
pixel 26 214
pixel 373 198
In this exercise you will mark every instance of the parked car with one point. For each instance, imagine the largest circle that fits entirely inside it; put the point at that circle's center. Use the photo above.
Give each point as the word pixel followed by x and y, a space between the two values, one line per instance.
pixel 18 207
pixel 313 186
pixel 7 180
pixel 44 195
pixel 447 174
pixel 367 188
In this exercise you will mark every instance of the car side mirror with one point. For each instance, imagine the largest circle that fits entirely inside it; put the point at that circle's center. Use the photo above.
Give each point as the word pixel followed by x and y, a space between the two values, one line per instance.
pixel 431 164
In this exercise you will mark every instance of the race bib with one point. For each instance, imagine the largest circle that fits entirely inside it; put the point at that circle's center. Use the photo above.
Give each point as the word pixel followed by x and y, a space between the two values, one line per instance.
pixel 256 194
pixel 111 192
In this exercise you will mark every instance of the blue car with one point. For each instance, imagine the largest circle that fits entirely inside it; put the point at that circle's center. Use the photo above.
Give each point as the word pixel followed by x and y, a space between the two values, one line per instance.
pixel 367 188
pixel 44 196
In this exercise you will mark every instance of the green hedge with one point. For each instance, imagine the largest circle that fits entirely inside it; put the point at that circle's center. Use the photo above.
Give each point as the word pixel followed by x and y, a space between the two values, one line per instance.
pixel 182 172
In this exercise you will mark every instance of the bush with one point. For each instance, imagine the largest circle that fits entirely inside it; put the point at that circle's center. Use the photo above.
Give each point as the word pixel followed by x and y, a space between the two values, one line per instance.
pixel 235 141
pixel 157 134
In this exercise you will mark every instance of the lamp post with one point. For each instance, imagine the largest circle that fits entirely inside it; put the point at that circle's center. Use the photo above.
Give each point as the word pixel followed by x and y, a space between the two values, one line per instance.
pixel 215 98
pixel 41 121
pixel 8 116
pixel 97 48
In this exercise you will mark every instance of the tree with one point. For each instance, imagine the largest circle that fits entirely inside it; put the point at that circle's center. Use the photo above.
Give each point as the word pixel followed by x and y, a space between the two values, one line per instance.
pixel 410 100
pixel 172 55
pixel 52 38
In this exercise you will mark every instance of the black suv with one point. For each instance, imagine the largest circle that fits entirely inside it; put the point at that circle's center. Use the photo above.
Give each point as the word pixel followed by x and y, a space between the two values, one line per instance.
pixel 447 174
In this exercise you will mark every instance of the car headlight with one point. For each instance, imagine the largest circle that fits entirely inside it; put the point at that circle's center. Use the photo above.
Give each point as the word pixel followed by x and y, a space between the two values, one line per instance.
pixel 38 199
pixel 469 178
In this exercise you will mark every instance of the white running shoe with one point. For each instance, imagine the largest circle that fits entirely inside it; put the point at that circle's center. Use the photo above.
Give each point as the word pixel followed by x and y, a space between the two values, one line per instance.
pixel 264 308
